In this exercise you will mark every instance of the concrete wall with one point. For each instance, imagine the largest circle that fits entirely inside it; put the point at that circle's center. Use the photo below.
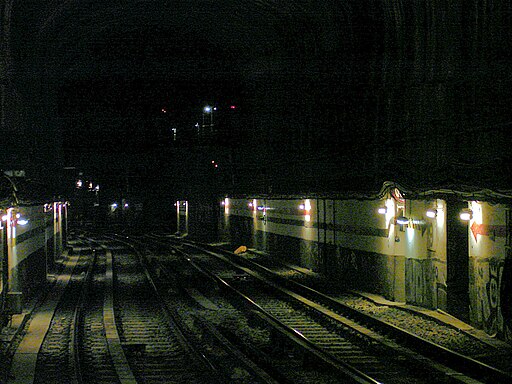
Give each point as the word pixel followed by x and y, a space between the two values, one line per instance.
pixel 349 241
pixel 490 268
pixel 418 262
pixel 31 248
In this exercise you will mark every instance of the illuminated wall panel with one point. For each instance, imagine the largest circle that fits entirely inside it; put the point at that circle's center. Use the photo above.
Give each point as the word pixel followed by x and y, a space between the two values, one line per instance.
pixel 347 238
pixel 489 258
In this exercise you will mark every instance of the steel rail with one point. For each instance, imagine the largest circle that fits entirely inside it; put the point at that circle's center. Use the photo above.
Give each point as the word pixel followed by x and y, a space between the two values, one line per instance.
pixel 76 323
pixel 180 329
pixel 343 368
pixel 458 361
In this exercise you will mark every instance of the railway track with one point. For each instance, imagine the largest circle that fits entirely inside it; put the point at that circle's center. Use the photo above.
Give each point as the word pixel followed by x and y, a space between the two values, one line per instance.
pixel 452 364
pixel 284 356
pixel 107 324
pixel 93 360
pixel 345 341
pixel 156 349
pixel 155 339
pixel 351 350
pixel 217 323
pixel 193 314
pixel 55 360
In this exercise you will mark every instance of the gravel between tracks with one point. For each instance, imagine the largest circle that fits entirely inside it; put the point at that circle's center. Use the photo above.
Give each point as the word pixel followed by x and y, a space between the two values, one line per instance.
pixel 446 336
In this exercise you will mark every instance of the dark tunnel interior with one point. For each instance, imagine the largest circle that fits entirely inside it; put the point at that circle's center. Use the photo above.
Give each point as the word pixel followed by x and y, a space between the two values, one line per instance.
pixel 308 95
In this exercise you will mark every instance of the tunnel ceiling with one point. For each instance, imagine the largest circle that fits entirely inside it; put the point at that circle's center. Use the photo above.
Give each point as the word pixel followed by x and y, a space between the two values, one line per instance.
pixel 185 52
pixel 353 86
pixel 174 39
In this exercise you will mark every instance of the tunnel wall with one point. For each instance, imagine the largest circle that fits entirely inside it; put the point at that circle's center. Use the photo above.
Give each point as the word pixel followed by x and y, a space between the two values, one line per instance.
pixel 33 248
pixel 350 242
pixel 353 245
pixel 490 267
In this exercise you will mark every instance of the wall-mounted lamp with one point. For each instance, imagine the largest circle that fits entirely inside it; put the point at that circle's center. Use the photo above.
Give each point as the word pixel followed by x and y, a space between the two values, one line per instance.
pixel 382 210
pixel 432 213
pixel 466 214
pixel 402 220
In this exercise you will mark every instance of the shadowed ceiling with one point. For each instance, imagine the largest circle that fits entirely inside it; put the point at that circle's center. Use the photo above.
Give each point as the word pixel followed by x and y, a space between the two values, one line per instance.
pixel 334 90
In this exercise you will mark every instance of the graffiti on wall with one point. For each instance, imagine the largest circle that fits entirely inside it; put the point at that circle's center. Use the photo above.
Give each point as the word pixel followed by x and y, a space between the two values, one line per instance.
pixel 485 295
pixel 361 270
pixel 506 297
pixel 347 260
pixel 421 282
pixel 440 294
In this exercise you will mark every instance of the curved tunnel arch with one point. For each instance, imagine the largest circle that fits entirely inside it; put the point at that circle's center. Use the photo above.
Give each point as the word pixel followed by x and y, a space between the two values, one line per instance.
pixel 243 33
pixel 362 83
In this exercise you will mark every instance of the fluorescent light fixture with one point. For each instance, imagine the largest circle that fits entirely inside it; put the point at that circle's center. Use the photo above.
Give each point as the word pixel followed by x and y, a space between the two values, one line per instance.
pixel 466 214
pixel 432 213
pixel 402 220
pixel 382 210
